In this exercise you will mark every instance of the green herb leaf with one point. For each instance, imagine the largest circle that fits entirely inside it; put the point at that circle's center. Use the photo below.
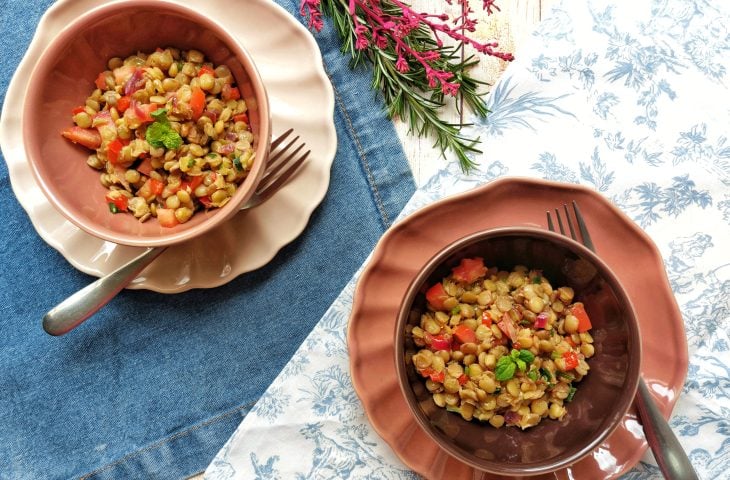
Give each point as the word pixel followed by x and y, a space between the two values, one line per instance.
pixel 466 370
pixel 515 354
pixel 504 360
pixel 191 162
pixel 545 373
pixel 521 365
pixel 454 310
pixel 160 134
pixel 566 376
pixel 537 279
pixel 505 372
pixel 532 375
pixel 571 394
pixel 113 208
pixel 555 355
pixel 526 356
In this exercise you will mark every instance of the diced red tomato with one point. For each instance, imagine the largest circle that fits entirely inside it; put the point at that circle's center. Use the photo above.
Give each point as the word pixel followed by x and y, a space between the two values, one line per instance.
pixel 570 341
pixel 241 117
pixel 230 93
pixel 123 104
pixel 508 327
pixel 206 201
pixel 465 334
pixel 436 296
pixel 571 360
pixel 486 319
pixel 193 183
pixel 142 111
pixel 112 151
pixel 205 69
pixel 88 137
pixel 156 186
pixel 120 201
pixel 166 217
pixel 435 376
pixel 463 379
pixel 584 322
pixel 145 167
pixel 469 270
pixel 100 81
pixel 197 102
pixel 78 109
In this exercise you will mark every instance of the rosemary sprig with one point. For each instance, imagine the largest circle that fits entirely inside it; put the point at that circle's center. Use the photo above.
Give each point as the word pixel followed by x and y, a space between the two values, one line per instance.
pixel 415 72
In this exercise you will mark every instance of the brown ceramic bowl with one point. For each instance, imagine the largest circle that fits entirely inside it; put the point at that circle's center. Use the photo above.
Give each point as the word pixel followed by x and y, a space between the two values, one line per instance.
pixel 64 77
pixel 603 396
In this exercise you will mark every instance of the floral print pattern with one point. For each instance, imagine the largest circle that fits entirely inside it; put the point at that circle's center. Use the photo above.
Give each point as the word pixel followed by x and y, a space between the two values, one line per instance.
pixel 629 98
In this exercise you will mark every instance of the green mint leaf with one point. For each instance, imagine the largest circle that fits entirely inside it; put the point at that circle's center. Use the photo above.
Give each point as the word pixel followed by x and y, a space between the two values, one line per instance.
pixel 505 372
pixel 160 115
pixel 515 354
pixel 526 356
pixel 521 365
pixel 504 360
pixel 160 134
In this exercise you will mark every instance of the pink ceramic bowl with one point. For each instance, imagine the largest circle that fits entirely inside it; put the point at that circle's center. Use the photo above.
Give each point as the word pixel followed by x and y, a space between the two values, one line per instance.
pixel 603 396
pixel 64 77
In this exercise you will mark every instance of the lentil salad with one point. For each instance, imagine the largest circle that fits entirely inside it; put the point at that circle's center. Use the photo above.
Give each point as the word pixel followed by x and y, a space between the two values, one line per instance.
pixel 500 347
pixel 170 134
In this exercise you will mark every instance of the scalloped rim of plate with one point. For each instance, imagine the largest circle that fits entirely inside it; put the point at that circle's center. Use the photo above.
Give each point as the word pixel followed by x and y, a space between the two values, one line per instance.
pixel 379 254
pixel 14 99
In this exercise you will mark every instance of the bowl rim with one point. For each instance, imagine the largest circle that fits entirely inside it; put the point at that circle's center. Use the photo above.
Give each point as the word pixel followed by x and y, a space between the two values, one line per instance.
pixel 495 467
pixel 263 139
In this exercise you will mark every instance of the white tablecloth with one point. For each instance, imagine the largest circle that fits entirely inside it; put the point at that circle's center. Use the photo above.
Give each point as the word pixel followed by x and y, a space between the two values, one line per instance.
pixel 629 98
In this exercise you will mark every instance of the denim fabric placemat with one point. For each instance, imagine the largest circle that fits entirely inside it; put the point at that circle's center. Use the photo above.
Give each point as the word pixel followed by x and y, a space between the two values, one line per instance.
pixel 155 384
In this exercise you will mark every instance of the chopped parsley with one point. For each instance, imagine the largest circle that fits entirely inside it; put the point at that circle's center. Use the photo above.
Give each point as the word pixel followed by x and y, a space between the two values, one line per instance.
pixel 237 163
pixel 191 162
pixel 113 208
pixel 536 279
pixel 160 133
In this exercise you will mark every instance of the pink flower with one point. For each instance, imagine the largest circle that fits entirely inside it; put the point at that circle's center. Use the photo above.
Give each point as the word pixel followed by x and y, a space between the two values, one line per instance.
pixel 402 65
pixel 450 88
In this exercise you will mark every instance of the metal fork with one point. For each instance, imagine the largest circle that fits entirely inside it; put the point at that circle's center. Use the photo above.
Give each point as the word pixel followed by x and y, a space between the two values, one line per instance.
pixel 671 458
pixel 283 163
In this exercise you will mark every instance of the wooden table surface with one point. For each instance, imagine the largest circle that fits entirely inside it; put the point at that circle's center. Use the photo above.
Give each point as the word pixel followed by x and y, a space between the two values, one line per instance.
pixel 510 27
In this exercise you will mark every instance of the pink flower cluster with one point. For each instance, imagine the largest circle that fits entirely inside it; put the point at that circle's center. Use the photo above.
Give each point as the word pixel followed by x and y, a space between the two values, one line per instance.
pixel 373 27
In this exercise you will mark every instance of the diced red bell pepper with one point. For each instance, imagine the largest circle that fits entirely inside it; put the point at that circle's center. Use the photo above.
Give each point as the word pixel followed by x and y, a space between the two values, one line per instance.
pixel 435 376
pixel 584 323
pixel 121 202
pixel 571 360
pixel 166 217
pixel 112 151
pixel 463 379
pixel 192 184
pixel 469 270
pixel 486 319
pixel 230 93
pixel 123 104
pixel 205 69
pixel 197 102
pixel 78 109
pixel 465 334
pixel 88 137
pixel 508 327
pixel 438 342
pixel 436 296
pixel 241 117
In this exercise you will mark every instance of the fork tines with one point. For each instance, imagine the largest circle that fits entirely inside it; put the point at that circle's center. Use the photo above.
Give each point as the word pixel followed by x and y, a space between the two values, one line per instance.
pixel 579 220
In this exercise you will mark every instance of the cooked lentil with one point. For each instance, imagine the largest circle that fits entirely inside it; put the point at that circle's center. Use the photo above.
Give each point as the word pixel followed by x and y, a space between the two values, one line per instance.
pixel 500 347
pixel 163 124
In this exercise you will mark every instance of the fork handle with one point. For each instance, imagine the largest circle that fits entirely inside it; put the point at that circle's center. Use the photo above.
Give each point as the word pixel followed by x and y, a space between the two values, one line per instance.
pixel 71 312
pixel 667 450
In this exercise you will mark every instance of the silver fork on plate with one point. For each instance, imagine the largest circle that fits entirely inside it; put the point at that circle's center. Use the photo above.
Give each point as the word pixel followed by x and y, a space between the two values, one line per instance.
pixel 671 458
pixel 283 163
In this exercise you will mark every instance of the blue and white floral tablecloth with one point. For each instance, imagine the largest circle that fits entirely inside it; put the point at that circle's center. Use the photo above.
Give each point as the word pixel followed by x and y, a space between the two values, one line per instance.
pixel 630 98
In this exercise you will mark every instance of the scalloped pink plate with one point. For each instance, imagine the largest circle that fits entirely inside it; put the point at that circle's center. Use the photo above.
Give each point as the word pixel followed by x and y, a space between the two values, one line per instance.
pixel 509 202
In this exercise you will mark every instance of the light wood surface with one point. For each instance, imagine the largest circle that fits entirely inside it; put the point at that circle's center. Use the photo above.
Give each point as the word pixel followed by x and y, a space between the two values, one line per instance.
pixel 510 27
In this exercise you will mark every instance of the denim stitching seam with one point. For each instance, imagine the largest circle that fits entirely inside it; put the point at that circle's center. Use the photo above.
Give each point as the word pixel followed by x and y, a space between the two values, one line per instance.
pixel 361 152
pixel 166 440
